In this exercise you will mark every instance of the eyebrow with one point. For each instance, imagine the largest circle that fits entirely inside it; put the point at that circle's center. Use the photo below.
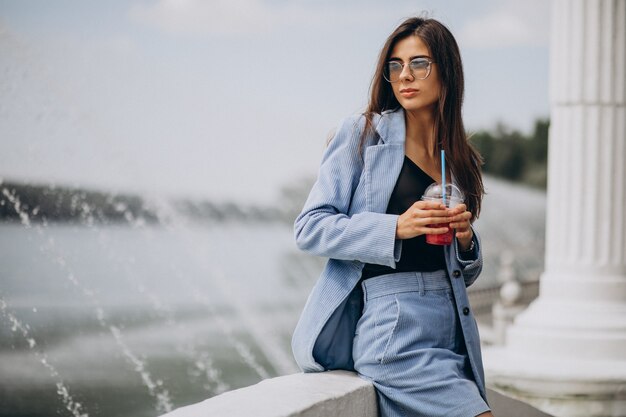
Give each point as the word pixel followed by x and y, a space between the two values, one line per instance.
pixel 394 58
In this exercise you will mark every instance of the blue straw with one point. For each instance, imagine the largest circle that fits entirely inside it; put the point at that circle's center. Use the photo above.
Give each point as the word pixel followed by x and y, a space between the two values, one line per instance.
pixel 443 176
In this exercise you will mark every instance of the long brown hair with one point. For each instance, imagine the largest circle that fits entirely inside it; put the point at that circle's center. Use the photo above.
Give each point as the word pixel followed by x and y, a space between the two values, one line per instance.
pixel 462 158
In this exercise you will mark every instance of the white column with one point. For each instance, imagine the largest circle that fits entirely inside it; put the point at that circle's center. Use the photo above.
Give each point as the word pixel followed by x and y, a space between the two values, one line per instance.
pixel 566 353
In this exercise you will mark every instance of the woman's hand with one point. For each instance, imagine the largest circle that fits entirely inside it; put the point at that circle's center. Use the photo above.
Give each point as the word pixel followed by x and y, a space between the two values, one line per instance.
pixel 460 220
pixel 415 220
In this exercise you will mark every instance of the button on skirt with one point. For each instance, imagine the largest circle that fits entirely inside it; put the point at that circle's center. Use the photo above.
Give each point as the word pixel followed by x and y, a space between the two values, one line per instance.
pixel 409 344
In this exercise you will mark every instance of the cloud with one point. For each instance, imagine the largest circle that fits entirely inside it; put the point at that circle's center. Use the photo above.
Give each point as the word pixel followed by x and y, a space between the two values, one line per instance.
pixel 253 17
pixel 511 24
pixel 506 23
pixel 193 17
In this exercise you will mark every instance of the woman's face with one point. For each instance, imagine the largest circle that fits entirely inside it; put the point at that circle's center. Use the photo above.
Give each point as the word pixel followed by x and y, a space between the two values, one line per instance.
pixel 413 94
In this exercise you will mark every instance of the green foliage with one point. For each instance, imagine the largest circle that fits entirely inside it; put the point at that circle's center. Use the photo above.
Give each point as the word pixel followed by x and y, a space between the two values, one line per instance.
pixel 514 156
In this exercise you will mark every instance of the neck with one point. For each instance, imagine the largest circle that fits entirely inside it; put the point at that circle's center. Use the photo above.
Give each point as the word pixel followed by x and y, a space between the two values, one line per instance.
pixel 420 136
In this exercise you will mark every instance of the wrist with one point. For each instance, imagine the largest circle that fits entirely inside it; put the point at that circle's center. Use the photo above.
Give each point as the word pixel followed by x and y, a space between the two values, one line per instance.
pixel 466 245
pixel 468 248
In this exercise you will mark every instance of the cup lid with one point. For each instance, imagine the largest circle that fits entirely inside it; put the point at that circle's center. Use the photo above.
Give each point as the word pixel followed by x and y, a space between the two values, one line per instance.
pixel 435 192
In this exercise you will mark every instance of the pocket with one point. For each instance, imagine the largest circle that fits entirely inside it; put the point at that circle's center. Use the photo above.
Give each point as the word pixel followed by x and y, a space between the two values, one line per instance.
pixel 426 322
pixel 386 323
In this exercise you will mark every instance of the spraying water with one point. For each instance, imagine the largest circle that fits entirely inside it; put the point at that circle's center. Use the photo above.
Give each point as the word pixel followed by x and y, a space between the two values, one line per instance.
pixel 49 248
pixel 74 407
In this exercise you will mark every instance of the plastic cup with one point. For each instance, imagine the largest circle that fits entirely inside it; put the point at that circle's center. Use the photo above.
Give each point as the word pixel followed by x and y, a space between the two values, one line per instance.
pixel 453 198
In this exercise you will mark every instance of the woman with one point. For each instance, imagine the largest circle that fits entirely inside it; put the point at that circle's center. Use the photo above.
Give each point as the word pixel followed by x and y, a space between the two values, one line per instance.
pixel 389 305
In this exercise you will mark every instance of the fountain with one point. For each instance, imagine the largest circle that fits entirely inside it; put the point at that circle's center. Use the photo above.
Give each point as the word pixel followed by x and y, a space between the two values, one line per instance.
pixel 127 268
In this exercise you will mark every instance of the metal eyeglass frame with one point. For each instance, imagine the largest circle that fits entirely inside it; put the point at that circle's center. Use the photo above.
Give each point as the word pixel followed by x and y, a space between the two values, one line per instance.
pixel 386 75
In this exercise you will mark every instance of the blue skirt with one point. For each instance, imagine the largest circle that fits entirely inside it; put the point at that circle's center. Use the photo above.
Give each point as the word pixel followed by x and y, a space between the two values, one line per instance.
pixel 409 344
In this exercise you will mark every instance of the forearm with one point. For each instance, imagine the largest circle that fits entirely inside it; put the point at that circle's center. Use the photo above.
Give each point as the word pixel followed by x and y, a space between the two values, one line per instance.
pixel 366 237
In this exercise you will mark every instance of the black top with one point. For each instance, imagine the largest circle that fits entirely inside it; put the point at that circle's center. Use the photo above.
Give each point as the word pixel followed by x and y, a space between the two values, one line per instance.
pixel 417 255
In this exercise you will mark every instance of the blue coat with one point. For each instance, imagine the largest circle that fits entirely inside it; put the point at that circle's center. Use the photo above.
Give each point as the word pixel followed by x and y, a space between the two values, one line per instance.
pixel 344 220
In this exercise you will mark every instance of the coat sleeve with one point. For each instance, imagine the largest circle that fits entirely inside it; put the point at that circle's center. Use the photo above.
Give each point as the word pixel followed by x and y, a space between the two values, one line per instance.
pixel 473 266
pixel 324 227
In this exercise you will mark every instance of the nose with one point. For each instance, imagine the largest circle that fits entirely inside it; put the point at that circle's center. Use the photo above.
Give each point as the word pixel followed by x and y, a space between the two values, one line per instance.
pixel 406 73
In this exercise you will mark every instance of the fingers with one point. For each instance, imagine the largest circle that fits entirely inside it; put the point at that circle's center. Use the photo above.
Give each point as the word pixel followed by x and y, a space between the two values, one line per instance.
pixel 425 221
pixel 439 208
pixel 466 234
pixel 461 208
pixel 429 210
pixel 409 227
pixel 434 230
pixel 459 216
pixel 432 212
pixel 422 214
pixel 461 221
pixel 433 205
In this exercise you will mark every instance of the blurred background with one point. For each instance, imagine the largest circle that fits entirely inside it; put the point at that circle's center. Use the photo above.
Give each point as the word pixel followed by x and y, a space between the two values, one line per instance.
pixel 153 157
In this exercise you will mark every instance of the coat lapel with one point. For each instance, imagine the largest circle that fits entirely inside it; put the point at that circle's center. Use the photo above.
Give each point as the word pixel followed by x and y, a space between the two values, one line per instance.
pixel 383 161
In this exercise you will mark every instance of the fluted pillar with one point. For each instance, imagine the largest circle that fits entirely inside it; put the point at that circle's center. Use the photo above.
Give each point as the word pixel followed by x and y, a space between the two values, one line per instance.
pixel 566 353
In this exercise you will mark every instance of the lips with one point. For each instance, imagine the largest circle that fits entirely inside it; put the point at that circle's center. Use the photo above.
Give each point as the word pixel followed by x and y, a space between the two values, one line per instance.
pixel 408 92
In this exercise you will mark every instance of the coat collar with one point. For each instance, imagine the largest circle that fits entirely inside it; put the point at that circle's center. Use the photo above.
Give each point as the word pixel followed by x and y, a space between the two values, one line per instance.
pixel 391 127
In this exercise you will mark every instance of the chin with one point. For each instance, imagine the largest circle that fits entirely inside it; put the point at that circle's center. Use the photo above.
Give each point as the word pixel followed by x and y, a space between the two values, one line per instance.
pixel 409 106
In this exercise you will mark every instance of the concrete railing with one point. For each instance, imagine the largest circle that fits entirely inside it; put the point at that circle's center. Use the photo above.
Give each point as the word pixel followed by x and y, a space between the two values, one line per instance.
pixel 323 394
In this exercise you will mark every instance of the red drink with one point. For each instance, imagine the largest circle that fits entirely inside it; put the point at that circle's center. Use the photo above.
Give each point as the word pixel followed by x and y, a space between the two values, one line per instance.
pixel 443 239
pixel 452 197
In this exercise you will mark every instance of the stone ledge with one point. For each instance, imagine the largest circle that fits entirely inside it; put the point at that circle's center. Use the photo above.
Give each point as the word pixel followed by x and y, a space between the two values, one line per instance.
pixel 323 394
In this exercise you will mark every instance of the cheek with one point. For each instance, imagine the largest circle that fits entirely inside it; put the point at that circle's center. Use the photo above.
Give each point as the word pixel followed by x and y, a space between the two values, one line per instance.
pixel 436 89
pixel 432 95
pixel 396 92
pixel 435 95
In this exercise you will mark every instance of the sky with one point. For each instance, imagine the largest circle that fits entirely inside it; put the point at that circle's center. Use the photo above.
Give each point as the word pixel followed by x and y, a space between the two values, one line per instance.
pixel 229 99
